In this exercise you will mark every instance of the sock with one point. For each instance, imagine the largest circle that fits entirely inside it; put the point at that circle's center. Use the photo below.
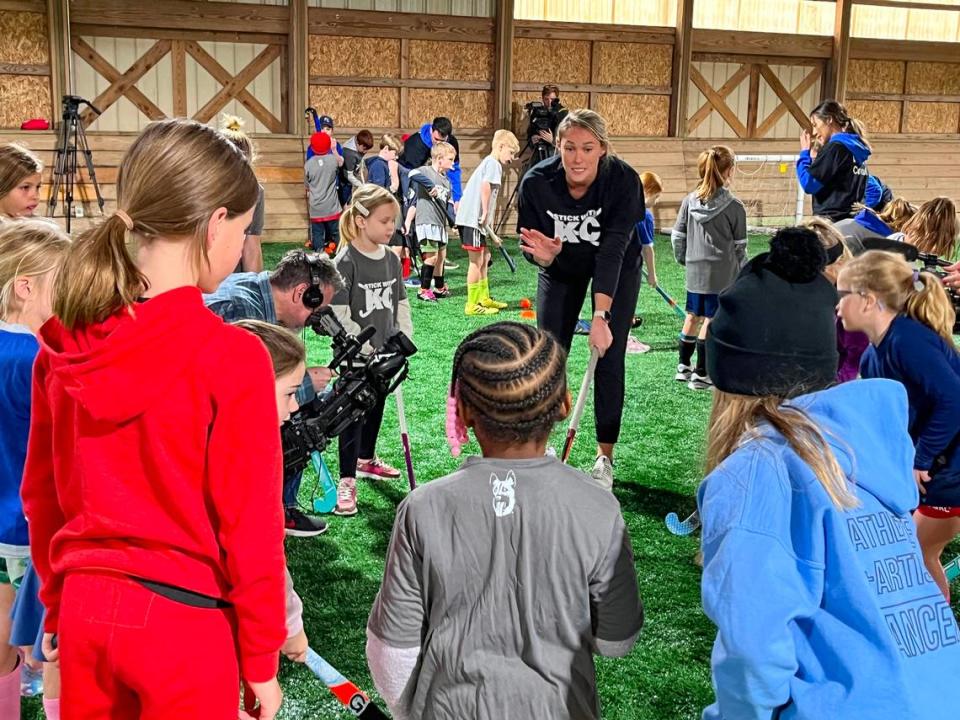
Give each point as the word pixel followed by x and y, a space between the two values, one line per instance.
pixel 687 346
pixel 485 289
pixel 51 708
pixel 473 294
pixel 10 694
pixel 426 276
pixel 438 281
pixel 405 263
pixel 701 368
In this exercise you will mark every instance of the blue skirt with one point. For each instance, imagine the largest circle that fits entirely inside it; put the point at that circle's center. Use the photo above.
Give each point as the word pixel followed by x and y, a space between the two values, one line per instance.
pixel 28 614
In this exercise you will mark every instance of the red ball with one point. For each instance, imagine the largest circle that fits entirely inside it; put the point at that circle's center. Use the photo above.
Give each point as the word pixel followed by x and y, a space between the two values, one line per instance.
pixel 525 303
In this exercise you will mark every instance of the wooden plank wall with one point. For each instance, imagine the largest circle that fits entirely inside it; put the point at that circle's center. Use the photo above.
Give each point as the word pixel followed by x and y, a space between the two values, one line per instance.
pixel 917 168
pixel 24 63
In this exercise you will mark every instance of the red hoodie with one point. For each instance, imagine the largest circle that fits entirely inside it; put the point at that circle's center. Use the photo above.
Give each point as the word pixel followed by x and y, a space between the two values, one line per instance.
pixel 154 452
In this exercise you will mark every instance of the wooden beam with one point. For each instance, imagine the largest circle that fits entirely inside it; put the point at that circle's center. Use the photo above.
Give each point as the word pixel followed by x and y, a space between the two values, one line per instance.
pixel 116 31
pixel 755 43
pixel 589 88
pixel 786 97
pixel 536 29
pixel 778 112
pixel 753 100
pixel 238 82
pixel 718 103
pixel 404 75
pixel 872 49
pixel 223 76
pixel 703 112
pixel 902 97
pixel 177 14
pixel 836 85
pixel 907 5
pixel 503 64
pixel 593 98
pixel 680 73
pixel 178 70
pixel 736 59
pixel 37 6
pixel 58 36
pixel 121 84
pixel 298 65
pixel 414 26
pixel 16 69
pixel 337 81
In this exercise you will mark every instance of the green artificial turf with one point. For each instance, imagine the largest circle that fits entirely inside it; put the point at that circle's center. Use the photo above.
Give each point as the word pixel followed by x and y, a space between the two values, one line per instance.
pixel 658 462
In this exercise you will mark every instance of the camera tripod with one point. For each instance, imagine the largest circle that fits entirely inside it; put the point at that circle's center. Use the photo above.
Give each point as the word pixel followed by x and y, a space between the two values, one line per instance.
pixel 539 151
pixel 71 140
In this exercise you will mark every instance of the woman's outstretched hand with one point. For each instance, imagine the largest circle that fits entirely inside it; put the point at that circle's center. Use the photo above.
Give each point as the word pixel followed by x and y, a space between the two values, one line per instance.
pixel 542 248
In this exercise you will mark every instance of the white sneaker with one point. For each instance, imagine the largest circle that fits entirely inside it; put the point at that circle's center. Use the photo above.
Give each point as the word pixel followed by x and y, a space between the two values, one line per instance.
pixel 602 472
pixel 683 373
pixel 699 382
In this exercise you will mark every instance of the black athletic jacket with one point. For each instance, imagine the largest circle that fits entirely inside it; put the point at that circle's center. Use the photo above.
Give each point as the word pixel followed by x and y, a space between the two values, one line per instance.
pixel 837 179
pixel 596 230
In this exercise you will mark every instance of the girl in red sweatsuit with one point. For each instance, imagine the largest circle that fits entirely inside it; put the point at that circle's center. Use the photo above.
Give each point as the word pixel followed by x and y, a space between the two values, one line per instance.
pixel 153 473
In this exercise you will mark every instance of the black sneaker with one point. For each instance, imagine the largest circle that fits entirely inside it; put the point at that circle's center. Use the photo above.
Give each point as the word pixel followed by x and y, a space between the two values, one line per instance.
pixel 300 525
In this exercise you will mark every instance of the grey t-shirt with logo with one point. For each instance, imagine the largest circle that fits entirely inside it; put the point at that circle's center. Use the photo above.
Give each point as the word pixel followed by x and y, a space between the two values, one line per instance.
pixel 373 289
pixel 509 575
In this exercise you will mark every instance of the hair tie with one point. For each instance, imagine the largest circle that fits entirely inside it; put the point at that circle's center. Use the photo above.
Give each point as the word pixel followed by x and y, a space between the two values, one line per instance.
pixel 361 208
pixel 126 218
pixel 456 430
pixel 917 283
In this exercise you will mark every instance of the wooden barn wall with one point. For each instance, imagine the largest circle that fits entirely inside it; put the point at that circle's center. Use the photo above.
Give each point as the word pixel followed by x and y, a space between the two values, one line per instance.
pixel 24 64
pixel 464 8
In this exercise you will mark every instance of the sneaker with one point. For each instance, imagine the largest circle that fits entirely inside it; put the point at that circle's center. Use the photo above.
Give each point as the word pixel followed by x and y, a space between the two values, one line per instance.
pixel 699 382
pixel 637 321
pixel 447 265
pixel 426 296
pixel 602 472
pixel 582 328
pixel 479 310
pixel 683 373
pixel 443 292
pixel 376 469
pixel 634 346
pixel 412 282
pixel 346 497
pixel 299 524
pixel 491 303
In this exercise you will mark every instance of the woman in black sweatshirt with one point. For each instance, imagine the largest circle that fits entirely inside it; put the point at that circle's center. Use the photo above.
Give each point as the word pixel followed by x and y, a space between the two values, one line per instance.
pixel 578 212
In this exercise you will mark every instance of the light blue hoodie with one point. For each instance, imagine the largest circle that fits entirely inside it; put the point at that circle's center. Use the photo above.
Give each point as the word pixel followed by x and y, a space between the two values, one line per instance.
pixel 823 613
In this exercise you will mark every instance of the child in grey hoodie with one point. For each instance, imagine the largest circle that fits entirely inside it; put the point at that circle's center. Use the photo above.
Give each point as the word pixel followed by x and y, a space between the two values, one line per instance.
pixel 710 239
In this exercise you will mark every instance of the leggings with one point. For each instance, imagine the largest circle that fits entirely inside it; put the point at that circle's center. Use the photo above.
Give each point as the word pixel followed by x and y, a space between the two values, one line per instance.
pixel 558 309
pixel 360 440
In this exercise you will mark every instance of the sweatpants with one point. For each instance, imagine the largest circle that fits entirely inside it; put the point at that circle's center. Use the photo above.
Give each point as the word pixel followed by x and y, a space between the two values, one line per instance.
pixel 360 440
pixel 127 652
pixel 558 308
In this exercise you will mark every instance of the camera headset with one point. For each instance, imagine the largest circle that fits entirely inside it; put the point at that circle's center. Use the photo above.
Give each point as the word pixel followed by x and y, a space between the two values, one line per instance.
pixel 313 296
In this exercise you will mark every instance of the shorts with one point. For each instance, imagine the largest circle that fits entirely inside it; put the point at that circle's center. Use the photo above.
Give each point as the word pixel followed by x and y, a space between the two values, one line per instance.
pixel 472 239
pixel 702 304
pixel 433 238
pixel 397 240
pixel 12 570
pixel 938 512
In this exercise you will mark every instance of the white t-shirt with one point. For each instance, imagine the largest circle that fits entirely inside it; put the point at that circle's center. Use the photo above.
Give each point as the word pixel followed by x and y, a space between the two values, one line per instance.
pixel 468 215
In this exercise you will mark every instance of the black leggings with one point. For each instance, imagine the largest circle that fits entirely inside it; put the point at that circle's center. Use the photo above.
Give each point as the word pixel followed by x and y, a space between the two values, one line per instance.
pixel 360 440
pixel 558 309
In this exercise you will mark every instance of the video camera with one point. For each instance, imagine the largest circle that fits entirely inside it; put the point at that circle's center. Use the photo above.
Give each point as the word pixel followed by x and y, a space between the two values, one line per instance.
pixel 932 264
pixel 543 117
pixel 363 381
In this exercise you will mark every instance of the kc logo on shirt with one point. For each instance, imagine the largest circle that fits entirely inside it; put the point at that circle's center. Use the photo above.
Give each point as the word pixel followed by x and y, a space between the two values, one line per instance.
pixel 576 229
pixel 377 296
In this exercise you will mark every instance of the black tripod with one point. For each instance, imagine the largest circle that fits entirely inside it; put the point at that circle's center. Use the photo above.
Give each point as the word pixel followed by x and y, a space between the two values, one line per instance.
pixel 539 151
pixel 71 139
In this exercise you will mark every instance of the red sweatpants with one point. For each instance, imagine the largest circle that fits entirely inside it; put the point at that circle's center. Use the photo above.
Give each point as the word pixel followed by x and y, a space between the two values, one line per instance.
pixel 126 652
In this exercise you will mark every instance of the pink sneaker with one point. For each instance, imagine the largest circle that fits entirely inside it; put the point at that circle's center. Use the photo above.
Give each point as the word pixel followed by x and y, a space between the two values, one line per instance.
pixel 376 469
pixel 346 497
pixel 426 295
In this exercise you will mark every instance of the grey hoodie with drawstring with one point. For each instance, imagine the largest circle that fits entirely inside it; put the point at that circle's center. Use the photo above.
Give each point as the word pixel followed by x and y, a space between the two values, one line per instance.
pixel 710 239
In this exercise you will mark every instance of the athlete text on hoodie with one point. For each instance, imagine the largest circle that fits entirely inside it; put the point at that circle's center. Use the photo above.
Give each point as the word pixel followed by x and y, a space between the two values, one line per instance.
pixel 824 613
pixel 154 453
pixel 837 179
pixel 595 230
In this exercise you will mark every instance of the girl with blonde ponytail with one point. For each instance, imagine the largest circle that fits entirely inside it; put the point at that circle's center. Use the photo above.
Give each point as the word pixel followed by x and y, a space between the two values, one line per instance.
pixel 135 484
pixel 812 571
pixel 910 321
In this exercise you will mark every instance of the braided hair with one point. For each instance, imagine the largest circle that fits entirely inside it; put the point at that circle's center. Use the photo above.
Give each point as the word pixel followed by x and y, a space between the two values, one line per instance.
pixel 513 377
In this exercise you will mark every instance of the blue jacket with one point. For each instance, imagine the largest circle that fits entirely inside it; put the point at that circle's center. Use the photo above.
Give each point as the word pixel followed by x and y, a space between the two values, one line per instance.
pixel 645 229
pixel 874 224
pixel 876 195
pixel 823 613
pixel 929 368
pixel 416 153
pixel 837 178
pixel 18 350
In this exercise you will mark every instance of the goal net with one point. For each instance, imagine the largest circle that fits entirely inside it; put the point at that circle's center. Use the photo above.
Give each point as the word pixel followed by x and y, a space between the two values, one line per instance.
pixel 768 188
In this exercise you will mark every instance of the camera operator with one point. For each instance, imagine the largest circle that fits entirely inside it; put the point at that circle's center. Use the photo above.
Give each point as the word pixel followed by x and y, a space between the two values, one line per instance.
pixel 542 135
pixel 301 285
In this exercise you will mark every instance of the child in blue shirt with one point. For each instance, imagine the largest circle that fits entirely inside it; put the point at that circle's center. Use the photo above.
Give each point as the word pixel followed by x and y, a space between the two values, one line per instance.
pixel 909 320
pixel 812 571
pixel 30 253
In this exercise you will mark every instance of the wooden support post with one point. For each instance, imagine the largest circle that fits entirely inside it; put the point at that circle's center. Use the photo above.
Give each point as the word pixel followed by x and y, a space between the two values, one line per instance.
pixel 503 65
pixel 593 98
pixel 836 85
pixel 682 55
pixel 403 120
pixel 58 33
pixel 178 69
pixel 298 66
pixel 753 100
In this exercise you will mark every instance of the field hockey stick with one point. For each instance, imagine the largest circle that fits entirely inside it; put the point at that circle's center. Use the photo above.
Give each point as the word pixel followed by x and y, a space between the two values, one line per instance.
pixel 492 237
pixel 952 569
pixel 352 697
pixel 405 437
pixel 581 403
pixel 669 300
pixel 685 527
